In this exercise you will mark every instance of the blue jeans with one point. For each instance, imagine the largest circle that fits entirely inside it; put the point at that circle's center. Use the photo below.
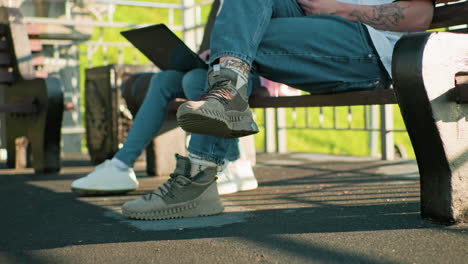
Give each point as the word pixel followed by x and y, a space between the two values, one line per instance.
pixel 164 87
pixel 317 53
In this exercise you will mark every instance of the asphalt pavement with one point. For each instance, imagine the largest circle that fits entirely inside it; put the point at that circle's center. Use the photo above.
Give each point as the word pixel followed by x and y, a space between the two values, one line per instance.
pixel 309 208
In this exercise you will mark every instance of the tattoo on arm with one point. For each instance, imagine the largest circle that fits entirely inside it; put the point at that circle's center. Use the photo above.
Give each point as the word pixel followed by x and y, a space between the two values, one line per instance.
pixel 385 16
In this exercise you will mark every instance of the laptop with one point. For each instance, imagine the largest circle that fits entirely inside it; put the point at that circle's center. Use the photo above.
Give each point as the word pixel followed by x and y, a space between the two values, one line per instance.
pixel 161 46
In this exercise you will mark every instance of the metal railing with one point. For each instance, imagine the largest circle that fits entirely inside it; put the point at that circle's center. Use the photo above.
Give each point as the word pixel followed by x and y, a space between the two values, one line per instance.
pixel 185 18
pixel 378 121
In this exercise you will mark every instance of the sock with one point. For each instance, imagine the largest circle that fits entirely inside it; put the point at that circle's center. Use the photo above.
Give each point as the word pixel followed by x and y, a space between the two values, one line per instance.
pixel 237 65
pixel 198 164
pixel 119 164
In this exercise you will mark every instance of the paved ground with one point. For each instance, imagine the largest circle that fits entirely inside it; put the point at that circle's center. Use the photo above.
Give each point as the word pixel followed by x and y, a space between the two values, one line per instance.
pixel 308 209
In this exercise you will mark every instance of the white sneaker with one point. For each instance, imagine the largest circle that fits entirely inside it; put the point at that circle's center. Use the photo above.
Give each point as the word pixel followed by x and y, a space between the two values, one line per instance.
pixel 236 176
pixel 225 184
pixel 242 174
pixel 106 179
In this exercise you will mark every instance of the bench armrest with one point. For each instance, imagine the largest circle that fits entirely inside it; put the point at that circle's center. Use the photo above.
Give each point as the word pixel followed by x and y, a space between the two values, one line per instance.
pixel 425 66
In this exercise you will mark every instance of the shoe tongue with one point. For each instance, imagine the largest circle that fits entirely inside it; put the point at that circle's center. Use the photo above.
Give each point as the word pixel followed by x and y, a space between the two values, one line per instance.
pixel 182 166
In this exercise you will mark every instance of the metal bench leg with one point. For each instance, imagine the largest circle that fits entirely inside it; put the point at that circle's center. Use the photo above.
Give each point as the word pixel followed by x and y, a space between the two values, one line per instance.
pixel 42 128
pixel 11 150
pixel 424 70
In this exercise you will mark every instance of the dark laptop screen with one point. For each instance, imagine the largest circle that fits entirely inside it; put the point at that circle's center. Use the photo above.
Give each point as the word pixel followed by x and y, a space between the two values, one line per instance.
pixel 161 46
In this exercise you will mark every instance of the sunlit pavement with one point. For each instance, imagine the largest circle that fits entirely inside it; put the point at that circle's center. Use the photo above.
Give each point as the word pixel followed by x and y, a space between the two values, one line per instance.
pixel 309 208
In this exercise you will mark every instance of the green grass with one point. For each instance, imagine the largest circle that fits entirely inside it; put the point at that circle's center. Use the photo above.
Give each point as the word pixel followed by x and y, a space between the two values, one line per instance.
pixel 340 142
pixel 132 15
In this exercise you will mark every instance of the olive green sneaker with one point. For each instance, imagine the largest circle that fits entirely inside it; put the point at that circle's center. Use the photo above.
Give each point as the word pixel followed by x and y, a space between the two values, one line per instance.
pixel 181 196
pixel 223 111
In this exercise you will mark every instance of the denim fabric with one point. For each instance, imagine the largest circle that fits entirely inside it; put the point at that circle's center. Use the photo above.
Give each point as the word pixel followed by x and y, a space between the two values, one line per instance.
pixel 218 149
pixel 318 53
pixel 164 87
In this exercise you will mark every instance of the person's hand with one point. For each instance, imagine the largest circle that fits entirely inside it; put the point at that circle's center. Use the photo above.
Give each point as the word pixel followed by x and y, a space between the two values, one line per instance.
pixel 204 55
pixel 316 7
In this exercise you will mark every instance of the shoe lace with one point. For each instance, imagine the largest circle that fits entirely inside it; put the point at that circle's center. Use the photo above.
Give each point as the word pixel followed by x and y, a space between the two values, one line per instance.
pixel 220 91
pixel 167 188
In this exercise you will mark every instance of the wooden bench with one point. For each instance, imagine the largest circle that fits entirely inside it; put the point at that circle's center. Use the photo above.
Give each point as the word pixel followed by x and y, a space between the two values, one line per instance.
pixel 444 17
pixel 430 74
pixel 430 91
pixel 33 104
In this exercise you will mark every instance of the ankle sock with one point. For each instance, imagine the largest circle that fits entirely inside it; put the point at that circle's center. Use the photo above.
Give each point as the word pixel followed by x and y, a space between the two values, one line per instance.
pixel 119 164
pixel 237 65
pixel 199 164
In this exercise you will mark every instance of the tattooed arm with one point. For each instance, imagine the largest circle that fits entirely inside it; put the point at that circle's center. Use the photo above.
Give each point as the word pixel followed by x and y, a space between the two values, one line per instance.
pixel 414 15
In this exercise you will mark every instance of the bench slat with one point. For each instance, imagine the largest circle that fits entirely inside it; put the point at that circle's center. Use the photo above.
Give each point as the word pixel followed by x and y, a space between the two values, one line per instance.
pixel 36 45
pixel 41 74
pixel 18 41
pixel 33 29
pixel 5 59
pixel 20 105
pixel 38 60
pixel 444 1
pixel 18 108
pixel 461 30
pixel 375 97
pixel 6 77
pixel 4 46
pixel 450 15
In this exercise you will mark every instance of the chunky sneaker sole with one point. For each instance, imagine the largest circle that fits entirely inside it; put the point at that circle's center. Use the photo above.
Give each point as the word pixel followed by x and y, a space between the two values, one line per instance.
pixel 87 192
pixel 200 206
pixel 224 110
pixel 210 122
pixel 247 185
pixel 227 188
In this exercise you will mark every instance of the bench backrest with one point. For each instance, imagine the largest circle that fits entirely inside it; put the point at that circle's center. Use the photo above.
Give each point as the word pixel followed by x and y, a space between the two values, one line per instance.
pixel 19 52
pixel 449 15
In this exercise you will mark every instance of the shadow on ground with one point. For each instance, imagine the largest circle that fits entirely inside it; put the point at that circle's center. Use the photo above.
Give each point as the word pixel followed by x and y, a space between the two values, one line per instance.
pixel 39 212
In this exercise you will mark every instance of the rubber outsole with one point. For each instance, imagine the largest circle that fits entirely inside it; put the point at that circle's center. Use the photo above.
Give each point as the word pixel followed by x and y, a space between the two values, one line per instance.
pixel 195 123
pixel 227 188
pixel 185 211
pixel 248 185
pixel 84 192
